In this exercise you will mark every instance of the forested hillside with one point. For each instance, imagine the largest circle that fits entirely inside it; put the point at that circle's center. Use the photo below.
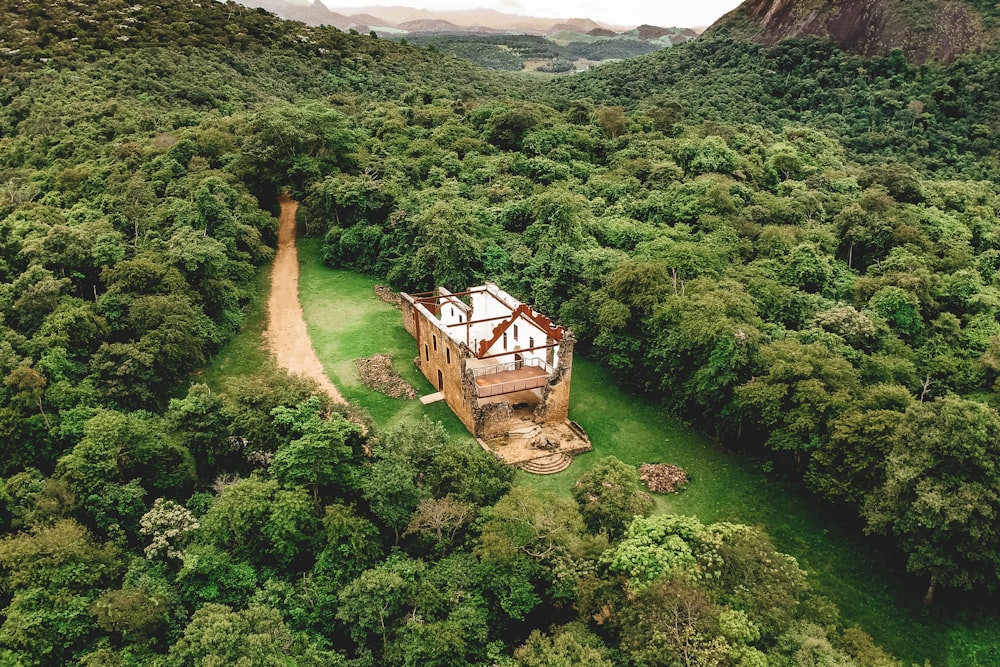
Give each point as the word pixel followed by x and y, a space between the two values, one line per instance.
pixel 822 299
pixel 940 119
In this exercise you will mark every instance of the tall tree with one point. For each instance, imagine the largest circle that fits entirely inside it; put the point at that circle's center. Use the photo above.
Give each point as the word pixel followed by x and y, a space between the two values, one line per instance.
pixel 941 496
pixel 320 457
pixel 610 495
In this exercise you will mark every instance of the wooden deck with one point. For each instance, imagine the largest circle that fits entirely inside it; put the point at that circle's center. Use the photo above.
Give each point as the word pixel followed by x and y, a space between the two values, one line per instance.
pixel 506 382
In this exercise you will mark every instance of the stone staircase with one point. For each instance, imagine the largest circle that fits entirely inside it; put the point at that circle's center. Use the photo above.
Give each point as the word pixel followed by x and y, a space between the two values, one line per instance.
pixel 524 435
pixel 548 464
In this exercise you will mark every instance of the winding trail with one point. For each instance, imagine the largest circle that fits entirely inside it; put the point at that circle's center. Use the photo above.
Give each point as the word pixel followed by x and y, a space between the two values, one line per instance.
pixel 286 333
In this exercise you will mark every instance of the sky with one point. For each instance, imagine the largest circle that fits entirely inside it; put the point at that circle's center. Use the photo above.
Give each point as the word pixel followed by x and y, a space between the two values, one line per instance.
pixel 664 13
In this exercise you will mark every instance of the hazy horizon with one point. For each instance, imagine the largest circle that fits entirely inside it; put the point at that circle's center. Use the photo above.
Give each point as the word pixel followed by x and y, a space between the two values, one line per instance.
pixel 622 13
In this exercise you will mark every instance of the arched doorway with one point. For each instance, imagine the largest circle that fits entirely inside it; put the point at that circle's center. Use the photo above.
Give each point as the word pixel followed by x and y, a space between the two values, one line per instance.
pixel 440 380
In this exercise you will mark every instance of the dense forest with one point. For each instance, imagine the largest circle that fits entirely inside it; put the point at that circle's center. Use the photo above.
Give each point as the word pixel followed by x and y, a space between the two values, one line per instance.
pixel 499 52
pixel 793 248
pixel 509 52
pixel 813 309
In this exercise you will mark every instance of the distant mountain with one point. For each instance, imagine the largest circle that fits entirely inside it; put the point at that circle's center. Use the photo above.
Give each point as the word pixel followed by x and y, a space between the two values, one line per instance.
pixel 314 12
pixel 490 38
pixel 428 25
pixel 665 36
pixel 478 18
pixel 933 29
pixel 311 13
pixel 368 19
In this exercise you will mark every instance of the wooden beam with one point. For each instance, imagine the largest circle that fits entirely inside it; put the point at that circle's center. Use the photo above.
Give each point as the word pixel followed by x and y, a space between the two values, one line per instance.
pixel 470 322
pixel 519 350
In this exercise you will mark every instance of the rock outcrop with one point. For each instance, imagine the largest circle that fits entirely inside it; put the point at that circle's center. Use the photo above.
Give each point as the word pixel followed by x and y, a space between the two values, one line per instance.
pixel 927 30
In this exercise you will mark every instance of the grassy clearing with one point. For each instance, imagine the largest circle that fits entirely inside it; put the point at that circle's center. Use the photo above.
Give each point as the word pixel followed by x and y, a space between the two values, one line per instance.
pixel 861 575
pixel 346 322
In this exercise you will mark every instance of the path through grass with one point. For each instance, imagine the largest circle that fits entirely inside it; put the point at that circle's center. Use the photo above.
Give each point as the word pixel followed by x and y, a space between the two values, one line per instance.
pixel 346 322
pixel 862 576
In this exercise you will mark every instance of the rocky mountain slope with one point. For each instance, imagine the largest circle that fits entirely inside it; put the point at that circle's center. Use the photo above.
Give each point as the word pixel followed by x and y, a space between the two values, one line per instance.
pixel 923 29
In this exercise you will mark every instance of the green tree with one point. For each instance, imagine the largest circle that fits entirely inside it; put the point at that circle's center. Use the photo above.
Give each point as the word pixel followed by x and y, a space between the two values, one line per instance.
pixel 566 646
pixel 250 401
pixel 255 637
pixel 52 576
pixel 117 447
pixel 261 523
pixel 704 341
pixel 321 457
pixel 132 613
pixel 352 544
pixel 200 420
pixel 852 463
pixel 539 526
pixel 370 603
pixel 673 622
pixel 209 575
pixel 296 144
pixel 802 389
pixel 447 250
pixel 941 495
pixel 30 387
pixel 349 200
pixel 389 487
pixel 612 120
pixel 610 495
pixel 469 475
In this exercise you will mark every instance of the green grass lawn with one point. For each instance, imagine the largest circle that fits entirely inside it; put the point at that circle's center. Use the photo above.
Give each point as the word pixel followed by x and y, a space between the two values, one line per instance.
pixel 861 575
pixel 346 322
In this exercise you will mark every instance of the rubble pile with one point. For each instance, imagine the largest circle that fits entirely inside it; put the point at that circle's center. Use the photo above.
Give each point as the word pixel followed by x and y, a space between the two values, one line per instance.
pixel 389 295
pixel 378 375
pixel 663 477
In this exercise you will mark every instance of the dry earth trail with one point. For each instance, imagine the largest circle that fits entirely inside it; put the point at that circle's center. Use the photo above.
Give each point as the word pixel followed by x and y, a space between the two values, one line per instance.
pixel 286 333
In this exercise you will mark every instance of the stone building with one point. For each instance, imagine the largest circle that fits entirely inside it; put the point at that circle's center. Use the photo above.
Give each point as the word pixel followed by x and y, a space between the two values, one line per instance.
pixel 503 369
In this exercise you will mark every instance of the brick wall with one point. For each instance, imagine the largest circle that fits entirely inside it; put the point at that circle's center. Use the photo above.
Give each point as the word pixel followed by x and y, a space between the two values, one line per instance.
pixel 493 420
pixel 442 361
pixel 555 395
pixel 409 323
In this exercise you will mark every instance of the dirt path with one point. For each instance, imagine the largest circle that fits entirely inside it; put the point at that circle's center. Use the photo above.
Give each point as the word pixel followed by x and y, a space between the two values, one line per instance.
pixel 286 333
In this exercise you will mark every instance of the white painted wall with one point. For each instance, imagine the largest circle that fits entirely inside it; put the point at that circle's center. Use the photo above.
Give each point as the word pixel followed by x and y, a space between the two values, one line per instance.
pixel 489 302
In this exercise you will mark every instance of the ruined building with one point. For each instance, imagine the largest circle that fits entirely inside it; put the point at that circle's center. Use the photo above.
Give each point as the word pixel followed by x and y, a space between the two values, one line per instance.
pixel 503 369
